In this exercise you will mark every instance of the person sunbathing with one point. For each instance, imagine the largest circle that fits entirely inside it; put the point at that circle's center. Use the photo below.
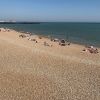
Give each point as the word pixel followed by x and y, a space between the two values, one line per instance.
pixel 93 50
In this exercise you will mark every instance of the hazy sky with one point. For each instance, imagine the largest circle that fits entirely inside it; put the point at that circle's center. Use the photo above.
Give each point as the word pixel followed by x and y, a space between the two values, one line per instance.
pixel 50 10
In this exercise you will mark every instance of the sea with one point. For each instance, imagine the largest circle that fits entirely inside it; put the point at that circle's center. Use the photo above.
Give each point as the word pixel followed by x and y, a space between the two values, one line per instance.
pixel 76 32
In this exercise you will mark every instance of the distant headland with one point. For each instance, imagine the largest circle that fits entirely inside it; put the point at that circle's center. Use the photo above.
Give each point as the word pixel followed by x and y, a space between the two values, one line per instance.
pixel 4 22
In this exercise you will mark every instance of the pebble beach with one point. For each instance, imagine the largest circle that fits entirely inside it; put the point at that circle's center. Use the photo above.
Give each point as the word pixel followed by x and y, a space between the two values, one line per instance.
pixel 32 71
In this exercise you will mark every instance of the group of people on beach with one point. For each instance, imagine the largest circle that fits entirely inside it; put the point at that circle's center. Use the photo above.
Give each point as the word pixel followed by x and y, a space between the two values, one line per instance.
pixel 28 35
pixel 61 42
pixel 4 30
pixel 91 49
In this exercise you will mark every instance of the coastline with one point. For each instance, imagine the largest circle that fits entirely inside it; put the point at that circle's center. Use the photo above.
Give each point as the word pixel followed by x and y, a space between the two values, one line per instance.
pixel 79 33
pixel 56 48
pixel 30 70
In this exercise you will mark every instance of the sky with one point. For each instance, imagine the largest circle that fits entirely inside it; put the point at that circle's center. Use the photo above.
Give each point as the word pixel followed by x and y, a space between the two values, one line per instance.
pixel 50 10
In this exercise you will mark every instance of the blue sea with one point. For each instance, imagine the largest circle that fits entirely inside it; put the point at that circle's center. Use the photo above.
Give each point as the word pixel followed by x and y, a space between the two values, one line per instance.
pixel 76 32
